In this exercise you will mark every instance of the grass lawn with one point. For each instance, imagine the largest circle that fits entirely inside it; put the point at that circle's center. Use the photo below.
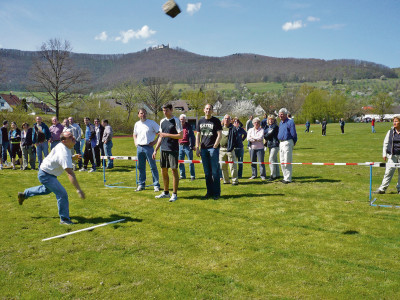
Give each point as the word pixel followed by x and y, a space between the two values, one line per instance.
pixel 315 238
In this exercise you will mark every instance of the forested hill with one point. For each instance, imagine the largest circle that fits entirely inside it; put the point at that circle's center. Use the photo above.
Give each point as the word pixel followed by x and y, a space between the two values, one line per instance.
pixel 178 65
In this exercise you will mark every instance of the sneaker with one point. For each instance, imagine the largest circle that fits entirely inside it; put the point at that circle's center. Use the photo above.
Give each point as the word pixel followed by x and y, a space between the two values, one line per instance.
pixel 173 198
pixel 156 189
pixel 21 198
pixel 92 170
pixel 1 167
pixel 66 222
pixel 162 195
pixel 181 177
pixel 285 181
pixel 235 183
pixel 263 178
pixel 378 191
pixel 252 177
pixel 83 170
pixel 140 188
pixel 216 197
pixel 192 178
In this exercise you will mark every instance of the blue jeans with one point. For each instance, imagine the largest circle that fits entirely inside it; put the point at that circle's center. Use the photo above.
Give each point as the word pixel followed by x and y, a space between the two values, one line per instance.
pixel 50 184
pixel 107 152
pixel 239 152
pixel 373 129
pixel 185 150
pixel 42 147
pixel 77 148
pixel 144 153
pixel 4 149
pixel 210 160
pixel 257 155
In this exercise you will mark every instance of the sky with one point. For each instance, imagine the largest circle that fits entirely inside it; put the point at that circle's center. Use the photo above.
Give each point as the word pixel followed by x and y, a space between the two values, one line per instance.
pixel 337 29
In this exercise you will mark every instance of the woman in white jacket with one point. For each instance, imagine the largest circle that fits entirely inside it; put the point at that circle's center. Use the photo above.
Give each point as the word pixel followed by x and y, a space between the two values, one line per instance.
pixel 391 154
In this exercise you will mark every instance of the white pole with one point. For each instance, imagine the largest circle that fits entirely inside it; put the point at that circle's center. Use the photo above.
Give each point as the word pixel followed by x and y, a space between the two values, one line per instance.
pixel 80 230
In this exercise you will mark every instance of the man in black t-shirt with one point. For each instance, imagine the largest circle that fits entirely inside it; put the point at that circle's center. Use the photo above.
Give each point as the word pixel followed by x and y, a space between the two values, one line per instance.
pixel 170 133
pixel 209 132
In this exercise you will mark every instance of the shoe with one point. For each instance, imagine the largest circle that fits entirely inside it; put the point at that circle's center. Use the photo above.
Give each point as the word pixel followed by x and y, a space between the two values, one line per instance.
pixel 271 178
pixel 206 196
pixel 173 198
pixel 156 189
pixel 180 178
pixel 192 178
pixel 83 170
pixel 285 181
pixel 13 168
pixel 216 197
pixel 235 183
pixel 252 177
pixel 1 167
pixel 66 222
pixel 21 198
pixel 163 195
pixel 92 170
pixel 263 178
pixel 140 188
pixel 227 182
pixel 378 191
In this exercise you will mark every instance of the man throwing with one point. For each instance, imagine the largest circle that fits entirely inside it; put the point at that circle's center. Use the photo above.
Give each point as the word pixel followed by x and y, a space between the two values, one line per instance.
pixel 58 160
pixel 170 133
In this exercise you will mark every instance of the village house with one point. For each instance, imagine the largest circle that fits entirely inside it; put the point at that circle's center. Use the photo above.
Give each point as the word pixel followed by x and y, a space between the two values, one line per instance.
pixel 9 102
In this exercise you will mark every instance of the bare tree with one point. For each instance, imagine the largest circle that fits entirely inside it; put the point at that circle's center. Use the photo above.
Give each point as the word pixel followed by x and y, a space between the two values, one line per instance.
pixel 197 100
pixel 54 72
pixel 155 93
pixel 128 93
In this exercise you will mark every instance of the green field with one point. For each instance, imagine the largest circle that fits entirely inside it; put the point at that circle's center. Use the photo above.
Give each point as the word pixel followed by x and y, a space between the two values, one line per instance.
pixel 316 238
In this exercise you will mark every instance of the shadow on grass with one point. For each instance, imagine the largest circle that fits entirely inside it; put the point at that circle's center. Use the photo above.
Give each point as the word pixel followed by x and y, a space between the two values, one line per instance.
pixel 306 179
pixel 95 220
pixel 120 169
pixel 225 197
pixel 99 220
pixel 351 232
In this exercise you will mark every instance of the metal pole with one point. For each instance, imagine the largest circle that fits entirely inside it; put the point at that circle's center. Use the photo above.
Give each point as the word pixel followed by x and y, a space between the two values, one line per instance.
pixel 370 182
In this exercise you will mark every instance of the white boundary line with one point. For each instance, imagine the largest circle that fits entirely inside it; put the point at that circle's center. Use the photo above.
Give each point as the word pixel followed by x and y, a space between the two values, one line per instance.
pixel 80 230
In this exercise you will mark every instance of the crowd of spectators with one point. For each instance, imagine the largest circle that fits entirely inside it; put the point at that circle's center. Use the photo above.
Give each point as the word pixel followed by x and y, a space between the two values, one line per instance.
pixel 28 146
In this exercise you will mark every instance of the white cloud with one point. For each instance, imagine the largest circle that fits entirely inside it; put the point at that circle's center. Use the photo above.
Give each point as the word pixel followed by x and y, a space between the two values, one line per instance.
pixel 333 26
pixel 313 19
pixel 193 8
pixel 292 25
pixel 102 36
pixel 144 33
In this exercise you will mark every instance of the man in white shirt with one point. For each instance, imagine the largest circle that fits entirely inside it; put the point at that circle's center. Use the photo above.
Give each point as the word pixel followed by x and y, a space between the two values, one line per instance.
pixel 144 135
pixel 58 160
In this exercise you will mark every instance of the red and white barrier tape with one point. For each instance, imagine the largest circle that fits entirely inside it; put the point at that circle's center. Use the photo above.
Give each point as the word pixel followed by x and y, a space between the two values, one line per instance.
pixel 374 164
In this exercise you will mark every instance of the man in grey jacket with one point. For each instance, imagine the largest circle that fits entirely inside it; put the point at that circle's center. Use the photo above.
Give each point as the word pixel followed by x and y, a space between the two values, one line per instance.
pixel 107 142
